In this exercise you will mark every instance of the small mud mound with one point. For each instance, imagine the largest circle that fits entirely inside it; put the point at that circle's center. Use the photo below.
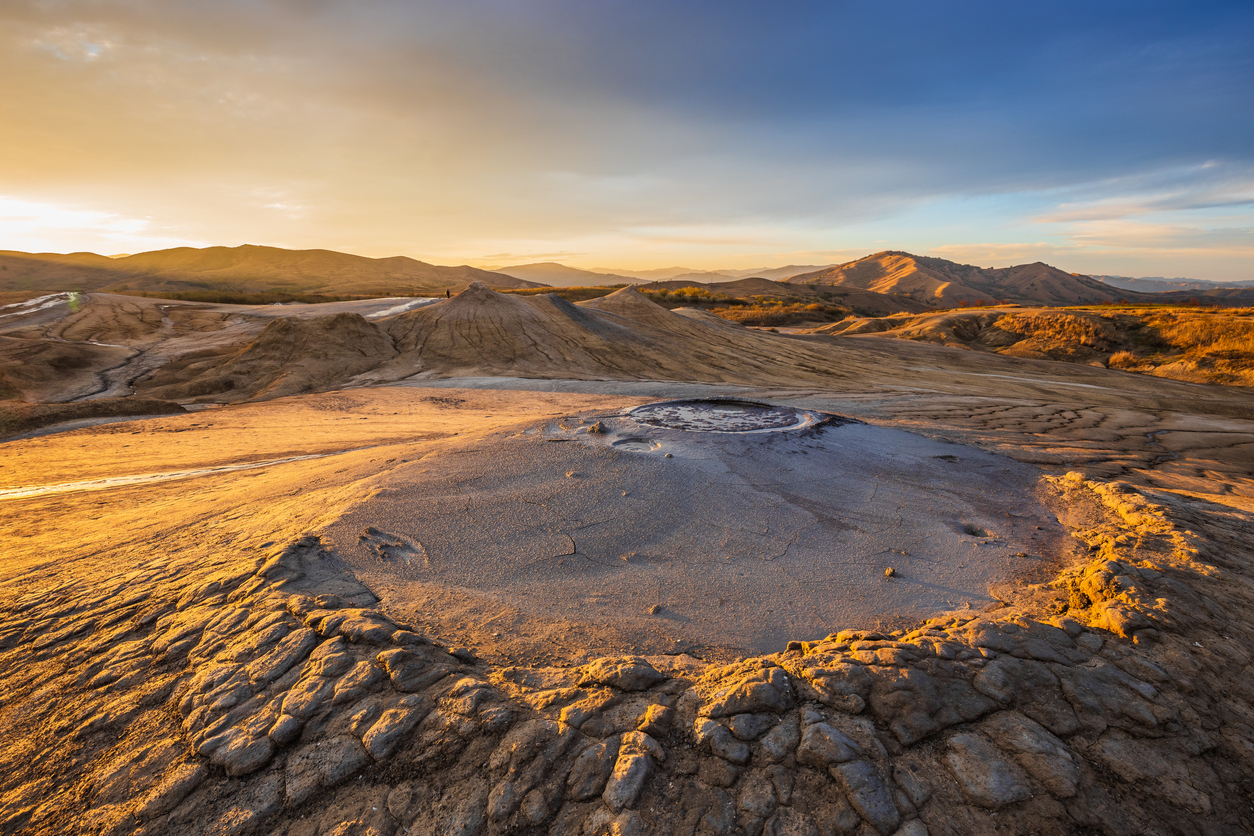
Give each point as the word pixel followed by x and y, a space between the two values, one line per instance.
pixel 290 356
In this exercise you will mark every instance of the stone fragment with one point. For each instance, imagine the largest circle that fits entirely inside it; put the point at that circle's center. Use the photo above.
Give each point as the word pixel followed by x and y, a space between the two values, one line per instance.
pixel 397 721
pixel 465 695
pixel 242 753
pixel 307 697
pixel 1045 757
pixel 330 658
pixel 750 691
pixel 361 679
pixel 906 699
pixel 821 746
pixel 535 807
pixel 780 741
pixel 1032 688
pixel 868 794
pixel 914 827
pixel 322 765
pixel 410 671
pixel 984 776
pixel 293 648
pixel 174 787
pixel 404 637
pixel 757 794
pixel 842 686
pixel 750 726
pixel 503 801
pixel 725 746
pixel 656 720
pixel 717 772
pixel 912 784
pixel 790 822
pixel 285 730
pixel 639 743
pixel 363 626
pixel 591 770
pixel 626 781
pixel 628 673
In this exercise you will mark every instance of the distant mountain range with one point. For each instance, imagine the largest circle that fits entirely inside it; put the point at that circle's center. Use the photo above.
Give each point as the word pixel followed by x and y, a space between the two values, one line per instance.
pixel 552 274
pixel 932 282
pixel 1158 284
pixel 246 269
pixel 946 284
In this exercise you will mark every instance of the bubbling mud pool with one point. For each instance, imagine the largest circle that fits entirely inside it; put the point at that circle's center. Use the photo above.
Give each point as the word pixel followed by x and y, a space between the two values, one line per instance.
pixel 725 415
pixel 695 525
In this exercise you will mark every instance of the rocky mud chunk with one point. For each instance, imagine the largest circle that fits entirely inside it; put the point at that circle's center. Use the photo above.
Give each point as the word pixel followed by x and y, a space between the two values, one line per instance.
pixel 290 650
pixel 821 746
pixel 868 793
pixel 657 720
pixel 628 673
pixel 983 773
pixel 721 741
pixel 361 679
pixel 750 726
pixel 322 765
pixel 412 671
pixel 330 658
pixel 631 770
pixel 908 700
pixel 1044 756
pixel 1032 688
pixel 780 741
pixel 308 696
pixel 746 689
pixel 591 770
pixel 399 720
pixel 366 627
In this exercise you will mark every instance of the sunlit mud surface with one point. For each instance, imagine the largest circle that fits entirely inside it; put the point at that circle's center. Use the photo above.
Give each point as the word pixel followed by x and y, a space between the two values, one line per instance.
pixel 326 614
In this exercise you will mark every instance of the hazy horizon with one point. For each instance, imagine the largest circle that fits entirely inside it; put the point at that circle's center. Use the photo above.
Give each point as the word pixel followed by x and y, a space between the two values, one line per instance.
pixel 1116 139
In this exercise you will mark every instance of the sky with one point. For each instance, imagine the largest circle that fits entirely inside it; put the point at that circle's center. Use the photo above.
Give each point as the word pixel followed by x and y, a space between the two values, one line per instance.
pixel 1100 137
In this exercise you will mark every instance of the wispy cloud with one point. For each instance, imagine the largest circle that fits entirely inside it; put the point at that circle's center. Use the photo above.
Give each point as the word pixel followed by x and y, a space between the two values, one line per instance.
pixel 42 227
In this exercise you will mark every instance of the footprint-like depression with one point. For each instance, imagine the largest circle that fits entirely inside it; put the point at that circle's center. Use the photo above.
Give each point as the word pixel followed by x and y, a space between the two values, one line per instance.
pixel 708 527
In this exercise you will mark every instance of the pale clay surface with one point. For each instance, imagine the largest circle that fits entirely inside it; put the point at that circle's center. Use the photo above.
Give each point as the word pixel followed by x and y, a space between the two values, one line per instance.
pixel 563 523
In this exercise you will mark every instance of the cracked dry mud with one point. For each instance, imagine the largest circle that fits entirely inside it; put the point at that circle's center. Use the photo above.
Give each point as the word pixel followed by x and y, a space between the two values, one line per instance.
pixel 192 656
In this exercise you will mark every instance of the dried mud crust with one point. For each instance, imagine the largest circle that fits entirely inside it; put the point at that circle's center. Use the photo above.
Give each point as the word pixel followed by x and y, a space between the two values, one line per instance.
pixel 267 696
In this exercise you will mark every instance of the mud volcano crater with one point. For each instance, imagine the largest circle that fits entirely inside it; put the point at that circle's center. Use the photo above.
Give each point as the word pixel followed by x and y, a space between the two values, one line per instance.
pixel 728 415
pixel 704 526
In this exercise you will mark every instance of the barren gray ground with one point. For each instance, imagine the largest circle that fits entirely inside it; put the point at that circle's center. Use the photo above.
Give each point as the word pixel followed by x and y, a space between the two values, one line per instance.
pixel 664 539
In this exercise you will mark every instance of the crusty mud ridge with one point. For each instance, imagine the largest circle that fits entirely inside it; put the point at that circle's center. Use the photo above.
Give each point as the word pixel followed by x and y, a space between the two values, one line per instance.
pixel 265 695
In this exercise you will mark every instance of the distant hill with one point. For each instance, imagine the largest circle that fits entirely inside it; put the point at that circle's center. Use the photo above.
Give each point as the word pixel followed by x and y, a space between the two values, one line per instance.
pixel 945 284
pixel 1158 284
pixel 777 274
pixel 658 274
pixel 245 269
pixel 552 274
pixel 666 274
pixel 863 302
